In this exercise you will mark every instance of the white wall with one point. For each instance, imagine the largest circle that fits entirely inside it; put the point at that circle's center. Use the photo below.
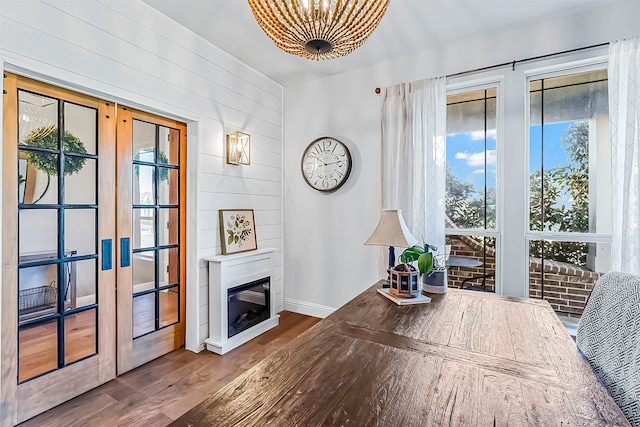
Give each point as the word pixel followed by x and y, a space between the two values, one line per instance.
pixel 127 52
pixel 326 262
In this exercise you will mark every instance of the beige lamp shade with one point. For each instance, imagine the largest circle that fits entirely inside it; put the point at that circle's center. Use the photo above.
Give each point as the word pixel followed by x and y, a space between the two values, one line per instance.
pixel 392 231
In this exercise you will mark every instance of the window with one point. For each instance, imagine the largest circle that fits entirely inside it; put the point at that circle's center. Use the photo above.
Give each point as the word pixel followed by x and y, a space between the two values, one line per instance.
pixel 569 187
pixel 471 203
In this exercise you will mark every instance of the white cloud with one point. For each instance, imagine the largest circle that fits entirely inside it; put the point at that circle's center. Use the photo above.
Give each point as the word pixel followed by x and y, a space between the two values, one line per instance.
pixel 477 159
pixel 479 171
pixel 478 135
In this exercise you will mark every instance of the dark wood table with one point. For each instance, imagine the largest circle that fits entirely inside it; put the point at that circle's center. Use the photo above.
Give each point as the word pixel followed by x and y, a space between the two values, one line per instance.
pixel 466 358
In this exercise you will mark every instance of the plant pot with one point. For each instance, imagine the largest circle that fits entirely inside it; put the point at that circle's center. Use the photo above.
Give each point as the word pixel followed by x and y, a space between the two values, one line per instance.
pixel 435 282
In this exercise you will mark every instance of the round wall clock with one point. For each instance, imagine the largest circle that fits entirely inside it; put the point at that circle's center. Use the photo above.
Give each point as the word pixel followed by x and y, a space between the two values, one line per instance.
pixel 326 164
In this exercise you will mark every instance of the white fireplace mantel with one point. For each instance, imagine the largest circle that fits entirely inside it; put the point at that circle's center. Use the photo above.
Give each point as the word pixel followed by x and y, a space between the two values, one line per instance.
pixel 229 271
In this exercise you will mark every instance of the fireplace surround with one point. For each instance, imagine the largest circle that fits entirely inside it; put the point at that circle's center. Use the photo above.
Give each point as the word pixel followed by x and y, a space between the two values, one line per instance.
pixel 240 301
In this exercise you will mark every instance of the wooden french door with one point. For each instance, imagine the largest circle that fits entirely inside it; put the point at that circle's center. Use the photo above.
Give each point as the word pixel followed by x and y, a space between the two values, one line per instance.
pixel 151 236
pixel 93 213
pixel 58 225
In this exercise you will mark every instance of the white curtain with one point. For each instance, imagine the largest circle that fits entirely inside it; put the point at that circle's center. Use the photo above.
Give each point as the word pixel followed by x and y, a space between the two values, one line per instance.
pixel 413 155
pixel 624 117
pixel 429 132
pixel 397 150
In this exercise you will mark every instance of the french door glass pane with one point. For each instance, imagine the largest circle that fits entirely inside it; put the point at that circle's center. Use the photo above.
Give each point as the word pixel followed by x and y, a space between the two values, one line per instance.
pixel 168 186
pixel 80 187
pixel 169 306
pixel 169 140
pixel 80 335
pixel 84 275
pixel 144 141
pixel 37 177
pixel 58 219
pixel 80 232
pixel 37 290
pixel 144 314
pixel 168 224
pixel 37 349
pixel 143 270
pixel 144 228
pixel 144 185
pixel 38 232
pixel 156 185
pixel 81 123
pixel 168 265
pixel 38 120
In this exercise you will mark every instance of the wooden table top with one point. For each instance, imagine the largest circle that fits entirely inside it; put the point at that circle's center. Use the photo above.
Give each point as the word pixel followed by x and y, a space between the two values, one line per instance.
pixel 466 358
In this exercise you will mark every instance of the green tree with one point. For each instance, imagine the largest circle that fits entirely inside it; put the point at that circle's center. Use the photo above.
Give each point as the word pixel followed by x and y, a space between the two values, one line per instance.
pixel 459 194
pixel 566 182
pixel 465 206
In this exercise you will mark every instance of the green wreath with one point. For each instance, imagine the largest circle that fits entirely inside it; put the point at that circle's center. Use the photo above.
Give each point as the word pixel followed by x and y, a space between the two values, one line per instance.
pixel 162 159
pixel 47 137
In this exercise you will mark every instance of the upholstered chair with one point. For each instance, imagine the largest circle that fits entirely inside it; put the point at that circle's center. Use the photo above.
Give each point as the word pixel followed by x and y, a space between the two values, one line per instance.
pixel 609 337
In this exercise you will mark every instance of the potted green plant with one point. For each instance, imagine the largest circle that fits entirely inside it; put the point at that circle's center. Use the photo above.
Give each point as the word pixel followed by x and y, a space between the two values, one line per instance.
pixel 422 254
pixel 435 281
pixel 432 269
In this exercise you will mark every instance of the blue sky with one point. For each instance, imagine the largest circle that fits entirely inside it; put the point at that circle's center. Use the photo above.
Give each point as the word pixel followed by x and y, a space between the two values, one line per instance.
pixel 465 152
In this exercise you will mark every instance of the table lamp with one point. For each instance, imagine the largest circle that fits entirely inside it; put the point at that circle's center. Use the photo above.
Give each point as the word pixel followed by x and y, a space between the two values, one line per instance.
pixel 391 231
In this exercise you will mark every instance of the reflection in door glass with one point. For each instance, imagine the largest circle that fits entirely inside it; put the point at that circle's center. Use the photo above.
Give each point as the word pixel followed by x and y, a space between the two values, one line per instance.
pixel 156 226
pixel 37 349
pixel 144 314
pixel 57 233
pixel 80 335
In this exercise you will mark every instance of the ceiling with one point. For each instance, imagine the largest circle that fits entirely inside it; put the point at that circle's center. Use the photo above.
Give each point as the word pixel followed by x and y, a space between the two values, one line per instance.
pixel 408 26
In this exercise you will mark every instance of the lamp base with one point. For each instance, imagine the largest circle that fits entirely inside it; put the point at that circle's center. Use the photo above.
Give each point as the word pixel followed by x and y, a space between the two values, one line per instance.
pixel 392 263
pixel 385 283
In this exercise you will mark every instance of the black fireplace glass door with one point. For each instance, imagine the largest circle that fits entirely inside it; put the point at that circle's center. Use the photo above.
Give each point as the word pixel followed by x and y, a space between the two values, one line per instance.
pixel 248 305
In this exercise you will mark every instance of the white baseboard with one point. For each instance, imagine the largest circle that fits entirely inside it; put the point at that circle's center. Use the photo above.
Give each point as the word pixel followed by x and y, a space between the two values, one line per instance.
pixel 308 308
pixel 244 336
pixel 91 299
pixel 86 300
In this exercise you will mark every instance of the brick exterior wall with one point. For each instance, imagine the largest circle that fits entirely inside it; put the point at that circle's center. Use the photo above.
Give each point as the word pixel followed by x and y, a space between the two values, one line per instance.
pixel 566 286
pixel 468 247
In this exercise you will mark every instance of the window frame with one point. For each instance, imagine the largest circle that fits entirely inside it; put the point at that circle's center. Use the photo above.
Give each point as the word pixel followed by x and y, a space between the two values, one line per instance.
pixel 457 87
pixel 545 72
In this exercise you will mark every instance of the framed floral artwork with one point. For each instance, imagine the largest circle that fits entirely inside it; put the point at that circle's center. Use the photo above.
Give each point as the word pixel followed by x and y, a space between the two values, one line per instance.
pixel 237 231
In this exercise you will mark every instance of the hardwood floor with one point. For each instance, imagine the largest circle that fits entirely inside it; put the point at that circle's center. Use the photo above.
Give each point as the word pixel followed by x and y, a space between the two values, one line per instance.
pixel 159 392
pixel 38 345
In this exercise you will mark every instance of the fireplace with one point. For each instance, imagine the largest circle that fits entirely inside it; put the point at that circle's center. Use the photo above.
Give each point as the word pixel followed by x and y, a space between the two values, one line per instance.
pixel 240 301
pixel 248 305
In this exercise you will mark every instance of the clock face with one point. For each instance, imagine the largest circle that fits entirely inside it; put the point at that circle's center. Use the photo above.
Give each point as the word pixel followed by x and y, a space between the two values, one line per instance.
pixel 326 164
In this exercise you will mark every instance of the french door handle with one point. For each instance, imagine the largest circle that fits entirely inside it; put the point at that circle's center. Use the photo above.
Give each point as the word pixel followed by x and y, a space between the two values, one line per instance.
pixel 125 257
pixel 107 250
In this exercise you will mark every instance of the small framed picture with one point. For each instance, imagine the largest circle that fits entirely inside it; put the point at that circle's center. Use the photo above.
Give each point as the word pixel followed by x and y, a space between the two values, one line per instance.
pixel 237 231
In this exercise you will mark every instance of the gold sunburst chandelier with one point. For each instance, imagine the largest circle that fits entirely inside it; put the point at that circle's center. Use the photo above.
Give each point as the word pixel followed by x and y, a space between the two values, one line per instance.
pixel 318 29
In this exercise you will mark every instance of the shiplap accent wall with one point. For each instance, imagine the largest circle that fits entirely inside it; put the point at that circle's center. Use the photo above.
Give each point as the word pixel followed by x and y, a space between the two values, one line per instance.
pixel 128 52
